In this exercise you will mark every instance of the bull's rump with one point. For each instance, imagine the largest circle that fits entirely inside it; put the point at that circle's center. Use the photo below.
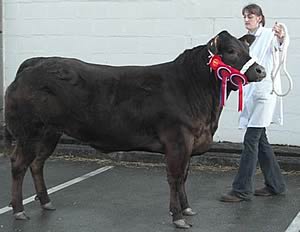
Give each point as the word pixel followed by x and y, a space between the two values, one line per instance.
pixel 112 108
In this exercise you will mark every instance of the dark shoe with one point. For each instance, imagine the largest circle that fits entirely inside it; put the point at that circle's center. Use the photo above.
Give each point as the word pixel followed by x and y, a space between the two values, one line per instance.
pixel 231 197
pixel 263 192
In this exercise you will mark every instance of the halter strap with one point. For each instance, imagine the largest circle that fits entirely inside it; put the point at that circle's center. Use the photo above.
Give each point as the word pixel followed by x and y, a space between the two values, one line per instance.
pixel 247 65
pixel 226 73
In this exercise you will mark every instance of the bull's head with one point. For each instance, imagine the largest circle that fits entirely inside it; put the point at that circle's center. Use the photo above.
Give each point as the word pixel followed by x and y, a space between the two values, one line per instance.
pixel 235 52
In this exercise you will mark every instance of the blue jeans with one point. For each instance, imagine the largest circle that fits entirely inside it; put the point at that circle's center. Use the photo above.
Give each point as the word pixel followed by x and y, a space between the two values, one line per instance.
pixel 257 148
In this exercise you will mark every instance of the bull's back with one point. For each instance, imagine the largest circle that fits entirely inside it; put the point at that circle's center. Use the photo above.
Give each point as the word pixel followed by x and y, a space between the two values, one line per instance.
pixel 109 107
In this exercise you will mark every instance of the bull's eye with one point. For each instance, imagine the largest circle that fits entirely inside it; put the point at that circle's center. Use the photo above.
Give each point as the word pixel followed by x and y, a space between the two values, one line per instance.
pixel 230 51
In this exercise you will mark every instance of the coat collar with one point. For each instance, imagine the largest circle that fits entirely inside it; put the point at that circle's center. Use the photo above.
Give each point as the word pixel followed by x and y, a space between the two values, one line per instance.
pixel 257 32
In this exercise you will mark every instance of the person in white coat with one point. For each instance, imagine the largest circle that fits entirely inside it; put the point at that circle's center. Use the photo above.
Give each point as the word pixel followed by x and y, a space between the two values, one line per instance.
pixel 261 108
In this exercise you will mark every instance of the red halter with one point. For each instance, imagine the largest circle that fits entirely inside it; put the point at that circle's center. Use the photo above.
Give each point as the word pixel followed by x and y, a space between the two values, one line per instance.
pixel 226 73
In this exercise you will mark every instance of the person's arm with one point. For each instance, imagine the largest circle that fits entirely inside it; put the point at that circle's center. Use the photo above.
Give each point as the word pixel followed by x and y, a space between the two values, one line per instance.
pixel 279 32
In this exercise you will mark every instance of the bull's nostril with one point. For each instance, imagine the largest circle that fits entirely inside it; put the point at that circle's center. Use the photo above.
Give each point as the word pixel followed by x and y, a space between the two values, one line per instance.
pixel 258 71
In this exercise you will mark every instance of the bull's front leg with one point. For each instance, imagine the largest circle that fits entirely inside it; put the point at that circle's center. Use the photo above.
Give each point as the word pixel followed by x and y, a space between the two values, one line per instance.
pixel 187 210
pixel 178 148
pixel 179 205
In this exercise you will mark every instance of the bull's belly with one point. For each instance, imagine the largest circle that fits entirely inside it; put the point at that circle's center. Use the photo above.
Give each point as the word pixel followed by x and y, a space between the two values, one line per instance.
pixel 115 142
pixel 156 148
pixel 128 141
pixel 150 147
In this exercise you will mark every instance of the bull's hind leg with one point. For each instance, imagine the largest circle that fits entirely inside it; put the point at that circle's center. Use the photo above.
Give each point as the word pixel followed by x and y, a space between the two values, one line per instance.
pixel 47 146
pixel 22 156
pixel 178 147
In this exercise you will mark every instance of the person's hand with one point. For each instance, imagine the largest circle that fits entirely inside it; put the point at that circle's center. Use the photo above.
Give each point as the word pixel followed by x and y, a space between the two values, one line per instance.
pixel 279 32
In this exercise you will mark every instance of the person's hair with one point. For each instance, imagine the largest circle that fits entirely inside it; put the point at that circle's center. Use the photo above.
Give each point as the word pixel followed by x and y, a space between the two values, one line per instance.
pixel 256 10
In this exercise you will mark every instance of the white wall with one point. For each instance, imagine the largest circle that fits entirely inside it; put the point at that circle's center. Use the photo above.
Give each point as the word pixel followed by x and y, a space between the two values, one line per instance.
pixel 143 32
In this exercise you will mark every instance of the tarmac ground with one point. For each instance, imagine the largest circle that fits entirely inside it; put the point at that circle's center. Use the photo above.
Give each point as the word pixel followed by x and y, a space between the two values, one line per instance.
pixel 134 197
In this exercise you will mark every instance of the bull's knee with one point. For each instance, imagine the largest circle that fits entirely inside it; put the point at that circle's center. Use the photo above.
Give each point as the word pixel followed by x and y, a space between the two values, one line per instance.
pixel 18 171
pixel 18 168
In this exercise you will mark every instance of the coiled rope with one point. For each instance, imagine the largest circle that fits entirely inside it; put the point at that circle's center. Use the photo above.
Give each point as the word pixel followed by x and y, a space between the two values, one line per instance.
pixel 282 63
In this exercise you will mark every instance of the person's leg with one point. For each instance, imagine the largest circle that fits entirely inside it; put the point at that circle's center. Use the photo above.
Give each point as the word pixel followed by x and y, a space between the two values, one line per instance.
pixel 274 181
pixel 242 187
pixel 243 182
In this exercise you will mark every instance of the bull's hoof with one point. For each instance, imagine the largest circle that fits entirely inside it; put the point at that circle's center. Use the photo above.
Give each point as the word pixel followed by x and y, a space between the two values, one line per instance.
pixel 188 212
pixel 48 206
pixel 21 216
pixel 181 224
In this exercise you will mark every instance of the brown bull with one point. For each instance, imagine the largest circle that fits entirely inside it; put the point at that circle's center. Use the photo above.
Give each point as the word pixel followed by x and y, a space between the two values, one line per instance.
pixel 172 108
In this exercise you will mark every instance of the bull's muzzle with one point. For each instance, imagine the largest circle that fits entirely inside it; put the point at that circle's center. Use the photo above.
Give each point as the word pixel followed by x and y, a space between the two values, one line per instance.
pixel 260 72
pixel 255 73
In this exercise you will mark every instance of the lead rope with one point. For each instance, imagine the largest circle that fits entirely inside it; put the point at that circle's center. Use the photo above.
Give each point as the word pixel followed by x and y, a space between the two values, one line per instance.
pixel 282 63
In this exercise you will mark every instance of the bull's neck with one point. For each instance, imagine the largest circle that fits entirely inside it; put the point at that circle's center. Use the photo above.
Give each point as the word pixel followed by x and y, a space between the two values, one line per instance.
pixel 202 89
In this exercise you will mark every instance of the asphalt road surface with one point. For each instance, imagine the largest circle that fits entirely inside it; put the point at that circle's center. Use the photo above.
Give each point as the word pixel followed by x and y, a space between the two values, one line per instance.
pixel 135 199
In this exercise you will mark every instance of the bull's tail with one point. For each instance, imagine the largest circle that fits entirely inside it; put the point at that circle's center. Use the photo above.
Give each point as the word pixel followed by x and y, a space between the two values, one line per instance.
pixel 7 135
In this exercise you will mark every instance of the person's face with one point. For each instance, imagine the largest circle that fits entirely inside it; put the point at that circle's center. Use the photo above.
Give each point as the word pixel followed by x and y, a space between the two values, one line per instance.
pixel 251 21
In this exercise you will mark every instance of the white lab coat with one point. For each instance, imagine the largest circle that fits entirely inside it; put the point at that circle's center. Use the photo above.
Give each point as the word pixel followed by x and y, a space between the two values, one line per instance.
pixel 261 108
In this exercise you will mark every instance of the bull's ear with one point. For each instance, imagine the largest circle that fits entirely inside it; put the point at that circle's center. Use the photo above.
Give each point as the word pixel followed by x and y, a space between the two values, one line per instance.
pixel 212 45
pixel 247 39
